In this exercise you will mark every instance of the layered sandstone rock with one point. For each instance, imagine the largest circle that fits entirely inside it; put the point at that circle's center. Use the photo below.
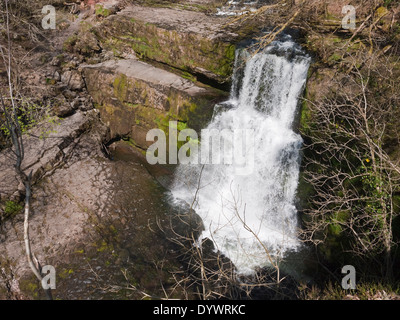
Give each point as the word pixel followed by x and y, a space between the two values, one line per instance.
pixel 47 147
pixel 134 97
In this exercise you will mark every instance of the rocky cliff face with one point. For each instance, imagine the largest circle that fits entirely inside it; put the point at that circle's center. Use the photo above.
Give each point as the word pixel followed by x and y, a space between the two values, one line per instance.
pixel 134 97
pixel 182 54
pixel 161 64
pixel 115 73
pixel 186 40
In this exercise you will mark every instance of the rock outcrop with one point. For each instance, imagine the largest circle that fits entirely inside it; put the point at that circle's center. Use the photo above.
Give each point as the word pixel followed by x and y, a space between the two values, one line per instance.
pixel 186 40
pixel 93 217
pixel 47 147
pixel 134 97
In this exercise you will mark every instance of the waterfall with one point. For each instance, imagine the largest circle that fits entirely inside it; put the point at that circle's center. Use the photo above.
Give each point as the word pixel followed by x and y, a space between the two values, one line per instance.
pixel 264 99
pixel 239 7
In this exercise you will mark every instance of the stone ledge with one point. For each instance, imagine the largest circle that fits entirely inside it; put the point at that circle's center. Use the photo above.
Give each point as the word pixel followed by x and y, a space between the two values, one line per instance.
pixel 134 97
pixel 46 148
pixel 186 40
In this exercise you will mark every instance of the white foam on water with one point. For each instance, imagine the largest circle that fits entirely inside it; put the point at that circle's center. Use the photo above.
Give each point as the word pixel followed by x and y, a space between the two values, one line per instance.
pixel 264 98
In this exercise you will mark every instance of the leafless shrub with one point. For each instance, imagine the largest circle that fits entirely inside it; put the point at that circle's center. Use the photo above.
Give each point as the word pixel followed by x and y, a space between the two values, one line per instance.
pixel 351 165
pixel 13 125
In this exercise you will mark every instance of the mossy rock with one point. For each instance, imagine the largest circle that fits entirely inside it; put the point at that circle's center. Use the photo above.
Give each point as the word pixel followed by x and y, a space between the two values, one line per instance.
pixel 100 10
pixel 189 52
pixel 132 106
pixel 84 43
pixel 31 287
pixel 10 209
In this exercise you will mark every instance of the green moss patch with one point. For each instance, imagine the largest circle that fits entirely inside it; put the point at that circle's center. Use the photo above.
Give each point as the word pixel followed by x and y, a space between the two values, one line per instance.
pixel 185 51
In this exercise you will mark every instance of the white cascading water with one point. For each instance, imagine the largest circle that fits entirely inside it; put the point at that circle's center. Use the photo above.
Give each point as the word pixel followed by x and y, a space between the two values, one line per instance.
pixel 264 98
pixel 240 7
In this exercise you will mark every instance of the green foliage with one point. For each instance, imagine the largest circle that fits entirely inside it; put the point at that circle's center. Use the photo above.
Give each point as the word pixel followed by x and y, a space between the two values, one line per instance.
pixel 121 87
pixel 101 11
pixel 70 43
pixel 305 118
pixel 335 57
pixel 28 115
pixel 388 3
pixel 373 185
pixel 12 208
pixel 30 287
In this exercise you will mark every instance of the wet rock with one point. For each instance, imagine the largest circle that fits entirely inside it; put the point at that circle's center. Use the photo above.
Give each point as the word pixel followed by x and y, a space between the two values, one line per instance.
pixel 97 215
